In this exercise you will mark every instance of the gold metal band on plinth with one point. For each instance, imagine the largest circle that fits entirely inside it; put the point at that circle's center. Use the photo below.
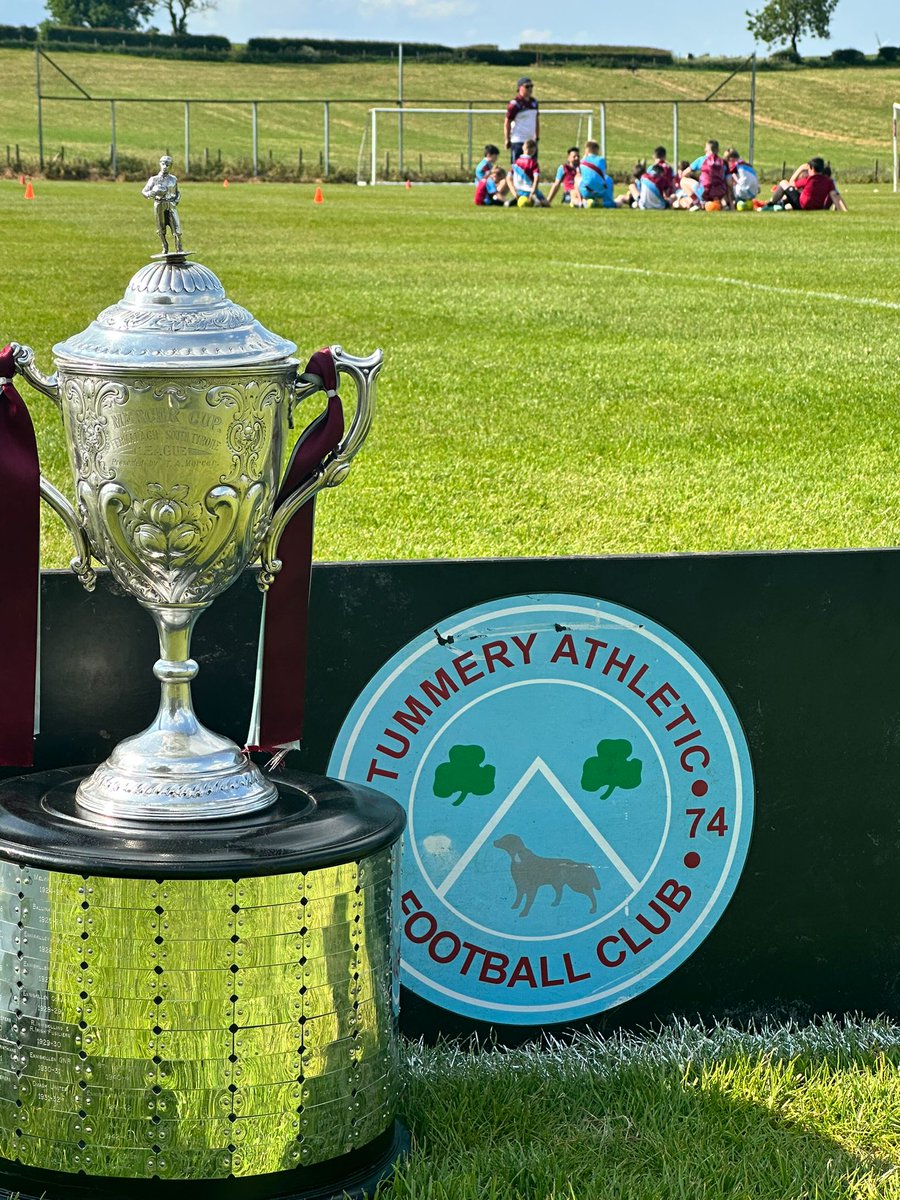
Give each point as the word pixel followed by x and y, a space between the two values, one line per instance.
pixel 196 1028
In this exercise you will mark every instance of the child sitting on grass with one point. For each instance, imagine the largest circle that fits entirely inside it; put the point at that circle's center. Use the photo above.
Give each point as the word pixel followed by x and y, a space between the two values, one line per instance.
pixel 487 164
pixel 657 182
pixel 742 180
pixel 495 189
pixel 630 198
pixel 593 183
pixel 566 175
pixel 809 189
pixel 526 175
pixel 704 178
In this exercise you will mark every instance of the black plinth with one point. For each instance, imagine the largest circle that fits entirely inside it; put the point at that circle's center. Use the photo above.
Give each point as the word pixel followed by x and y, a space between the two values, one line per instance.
pixel 325 849
pixel 316 822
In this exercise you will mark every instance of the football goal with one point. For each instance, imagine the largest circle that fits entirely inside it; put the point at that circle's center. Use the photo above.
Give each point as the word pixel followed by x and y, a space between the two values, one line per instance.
pixel 436 143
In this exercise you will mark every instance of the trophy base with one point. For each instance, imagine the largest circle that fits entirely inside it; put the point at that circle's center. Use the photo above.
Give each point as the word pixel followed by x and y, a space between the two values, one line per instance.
pixel 354 1176
pixel 206 793
pixel 211 1004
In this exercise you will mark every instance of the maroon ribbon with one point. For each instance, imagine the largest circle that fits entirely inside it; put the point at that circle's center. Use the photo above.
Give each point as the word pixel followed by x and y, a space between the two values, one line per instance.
pixel 20 539
pixel 285 629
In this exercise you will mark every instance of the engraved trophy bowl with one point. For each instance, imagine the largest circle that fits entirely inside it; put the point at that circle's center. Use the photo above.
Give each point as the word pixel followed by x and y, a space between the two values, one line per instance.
pixel 176 403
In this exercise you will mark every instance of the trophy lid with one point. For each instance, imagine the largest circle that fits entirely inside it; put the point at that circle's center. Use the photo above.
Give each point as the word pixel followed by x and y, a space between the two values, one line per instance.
pixel 174 314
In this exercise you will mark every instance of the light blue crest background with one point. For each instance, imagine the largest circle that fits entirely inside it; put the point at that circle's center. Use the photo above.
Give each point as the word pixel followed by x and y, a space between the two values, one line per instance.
pixel 538 725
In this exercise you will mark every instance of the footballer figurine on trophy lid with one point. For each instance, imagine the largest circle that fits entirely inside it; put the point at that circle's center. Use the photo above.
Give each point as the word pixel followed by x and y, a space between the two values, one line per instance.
pixel 198 957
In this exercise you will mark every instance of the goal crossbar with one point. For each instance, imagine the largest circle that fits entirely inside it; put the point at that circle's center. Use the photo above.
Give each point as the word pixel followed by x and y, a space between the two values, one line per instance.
pixel 401 110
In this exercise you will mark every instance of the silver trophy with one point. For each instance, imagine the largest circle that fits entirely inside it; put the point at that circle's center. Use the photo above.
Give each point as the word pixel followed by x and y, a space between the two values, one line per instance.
pixel 194 986
pixel 176 404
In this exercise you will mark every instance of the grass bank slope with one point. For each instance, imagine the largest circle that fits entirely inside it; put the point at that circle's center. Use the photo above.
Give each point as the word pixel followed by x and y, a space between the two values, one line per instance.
pixel 843 114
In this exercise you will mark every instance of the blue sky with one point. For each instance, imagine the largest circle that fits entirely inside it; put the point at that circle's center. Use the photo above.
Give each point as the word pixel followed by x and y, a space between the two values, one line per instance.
pixel 716 28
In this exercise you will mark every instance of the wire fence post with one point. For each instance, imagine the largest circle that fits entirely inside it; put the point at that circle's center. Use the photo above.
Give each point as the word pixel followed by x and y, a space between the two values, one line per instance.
pixel 187 137
pixel 752 137
pixel 675 133
pixel 400 106
pixel 471 163
pixel 40 110
pixel 113 147
pixel 255 106
pixel 603 130
pixel 327 139
pixel 374 146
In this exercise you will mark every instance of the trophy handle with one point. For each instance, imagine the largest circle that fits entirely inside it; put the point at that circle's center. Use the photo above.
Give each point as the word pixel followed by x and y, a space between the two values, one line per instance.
pixel 48 385
pixel 333 469
pixel 81 561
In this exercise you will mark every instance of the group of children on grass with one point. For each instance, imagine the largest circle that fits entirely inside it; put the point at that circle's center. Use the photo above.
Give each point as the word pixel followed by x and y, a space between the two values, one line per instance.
pixel 710 183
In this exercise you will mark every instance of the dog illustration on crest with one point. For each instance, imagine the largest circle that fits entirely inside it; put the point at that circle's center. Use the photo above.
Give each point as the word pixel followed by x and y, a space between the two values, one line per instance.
pixel 530 872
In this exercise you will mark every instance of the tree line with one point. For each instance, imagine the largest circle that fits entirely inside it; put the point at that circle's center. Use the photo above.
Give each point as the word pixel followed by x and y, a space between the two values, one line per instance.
pixel 777 23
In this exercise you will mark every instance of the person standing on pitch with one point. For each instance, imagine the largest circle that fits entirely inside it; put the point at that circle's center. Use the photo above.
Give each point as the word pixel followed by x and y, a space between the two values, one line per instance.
pixel 162 189
pixel 522 122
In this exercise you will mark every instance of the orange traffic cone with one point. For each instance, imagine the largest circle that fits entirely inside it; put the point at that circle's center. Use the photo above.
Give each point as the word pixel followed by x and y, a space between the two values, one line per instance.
pixel 21 181
pixel 409 183
pixel 318 198
pixel 224 183
pixel 29 191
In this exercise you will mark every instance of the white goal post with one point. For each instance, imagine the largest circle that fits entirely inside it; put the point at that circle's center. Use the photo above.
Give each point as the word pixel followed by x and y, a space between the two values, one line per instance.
pixel 896 160
pixel 399 112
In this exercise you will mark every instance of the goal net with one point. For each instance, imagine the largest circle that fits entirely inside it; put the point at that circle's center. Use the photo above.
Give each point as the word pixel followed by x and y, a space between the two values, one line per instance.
pixel 445 144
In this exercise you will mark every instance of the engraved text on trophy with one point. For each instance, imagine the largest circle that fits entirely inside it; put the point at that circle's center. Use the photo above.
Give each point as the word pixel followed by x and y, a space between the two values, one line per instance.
pixel 175 478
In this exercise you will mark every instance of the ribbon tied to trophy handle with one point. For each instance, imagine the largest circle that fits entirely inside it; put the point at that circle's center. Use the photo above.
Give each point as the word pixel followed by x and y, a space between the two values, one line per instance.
pixel 16 358
pixel 321 458
pixel 317 462
pixel 21 489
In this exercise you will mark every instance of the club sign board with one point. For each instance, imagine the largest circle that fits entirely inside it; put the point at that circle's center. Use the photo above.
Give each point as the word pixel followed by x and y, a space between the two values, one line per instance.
pixel 579 799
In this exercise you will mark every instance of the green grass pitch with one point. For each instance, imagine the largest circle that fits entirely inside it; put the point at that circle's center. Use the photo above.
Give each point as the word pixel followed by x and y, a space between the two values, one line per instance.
pixel 561 382
pixel 777 1113
pixel 555 382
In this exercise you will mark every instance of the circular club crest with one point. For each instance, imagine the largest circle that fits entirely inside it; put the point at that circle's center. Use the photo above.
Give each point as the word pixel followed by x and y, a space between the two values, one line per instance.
pixel 579 796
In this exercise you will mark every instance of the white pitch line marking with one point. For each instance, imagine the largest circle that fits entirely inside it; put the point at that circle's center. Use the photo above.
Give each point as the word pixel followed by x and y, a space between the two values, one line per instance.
pixel 863 301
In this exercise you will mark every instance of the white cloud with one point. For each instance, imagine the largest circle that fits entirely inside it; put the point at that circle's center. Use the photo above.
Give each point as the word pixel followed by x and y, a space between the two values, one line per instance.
pixel 421 10
pixel 534 35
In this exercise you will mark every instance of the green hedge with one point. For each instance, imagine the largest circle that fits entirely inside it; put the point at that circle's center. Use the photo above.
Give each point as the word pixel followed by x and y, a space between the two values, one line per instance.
pixel 639 55
pixel 17 33
pixel 853 58
pixel 119 39
pixel 334 48
pixel 494 57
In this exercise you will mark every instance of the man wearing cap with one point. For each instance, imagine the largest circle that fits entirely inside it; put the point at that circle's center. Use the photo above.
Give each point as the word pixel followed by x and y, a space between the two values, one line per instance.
pixel 522 123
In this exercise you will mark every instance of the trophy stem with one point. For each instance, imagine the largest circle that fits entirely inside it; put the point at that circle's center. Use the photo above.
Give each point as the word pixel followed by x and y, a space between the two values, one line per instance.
pixel 175 668
pixel 177 768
